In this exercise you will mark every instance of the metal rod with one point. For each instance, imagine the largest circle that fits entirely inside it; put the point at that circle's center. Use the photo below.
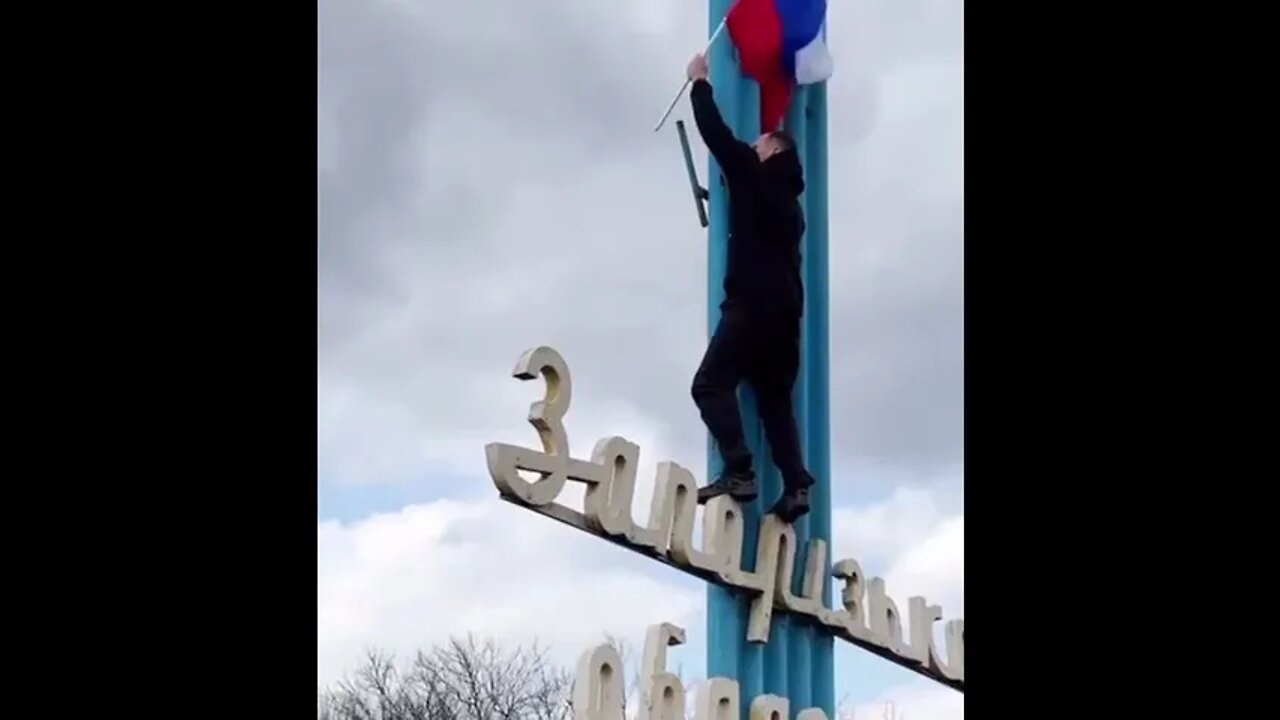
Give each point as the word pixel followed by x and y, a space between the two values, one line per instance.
pixel 698 193
pixel 662 120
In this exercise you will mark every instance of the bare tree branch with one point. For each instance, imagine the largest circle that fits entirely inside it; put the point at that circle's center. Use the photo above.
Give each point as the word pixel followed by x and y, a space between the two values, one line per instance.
pixel 463 679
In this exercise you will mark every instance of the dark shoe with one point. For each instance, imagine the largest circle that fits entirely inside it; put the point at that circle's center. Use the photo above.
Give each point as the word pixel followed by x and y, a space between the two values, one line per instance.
pixel 739 486
pixel 793 505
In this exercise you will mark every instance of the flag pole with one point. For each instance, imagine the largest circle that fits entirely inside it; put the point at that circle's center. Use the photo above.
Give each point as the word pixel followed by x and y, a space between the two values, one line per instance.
pixel 685 86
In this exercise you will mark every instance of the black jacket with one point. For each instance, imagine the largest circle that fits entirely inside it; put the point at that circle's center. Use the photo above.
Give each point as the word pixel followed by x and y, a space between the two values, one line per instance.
pixel 766 221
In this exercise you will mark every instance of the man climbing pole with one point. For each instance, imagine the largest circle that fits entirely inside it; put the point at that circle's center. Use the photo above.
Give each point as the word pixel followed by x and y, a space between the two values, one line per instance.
pixel 758 338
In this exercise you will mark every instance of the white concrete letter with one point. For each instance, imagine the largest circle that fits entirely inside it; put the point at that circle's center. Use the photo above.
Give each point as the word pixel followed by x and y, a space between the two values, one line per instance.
pixel 953 668
pixel 853 619
pixel 662 692
pixel 775 559
pixel 770 707
pixel 545 416
pixel 886 621
pixel 922 617
pixel 607 504
pixel 718 700
pixel 722 534
pixel 597 691
pixel 683 489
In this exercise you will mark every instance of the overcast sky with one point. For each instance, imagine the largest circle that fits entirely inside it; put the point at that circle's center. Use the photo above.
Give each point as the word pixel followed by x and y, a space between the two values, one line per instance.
pixel 489 182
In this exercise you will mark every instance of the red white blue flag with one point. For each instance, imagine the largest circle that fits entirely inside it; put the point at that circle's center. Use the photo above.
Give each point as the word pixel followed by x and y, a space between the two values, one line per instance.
pixel 780 45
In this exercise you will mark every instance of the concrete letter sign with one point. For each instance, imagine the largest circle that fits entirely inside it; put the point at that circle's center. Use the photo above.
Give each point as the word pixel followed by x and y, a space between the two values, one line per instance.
pixel 869 617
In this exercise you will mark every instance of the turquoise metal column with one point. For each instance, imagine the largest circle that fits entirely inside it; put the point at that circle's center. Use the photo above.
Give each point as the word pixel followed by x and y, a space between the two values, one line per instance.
pixel 799 636
pixel 728 653
pixel 817 417
pixel 797 661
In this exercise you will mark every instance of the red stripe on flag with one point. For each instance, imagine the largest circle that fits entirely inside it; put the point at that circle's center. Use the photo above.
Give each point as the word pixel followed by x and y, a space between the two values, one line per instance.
pixel 775 98
pixel 756 30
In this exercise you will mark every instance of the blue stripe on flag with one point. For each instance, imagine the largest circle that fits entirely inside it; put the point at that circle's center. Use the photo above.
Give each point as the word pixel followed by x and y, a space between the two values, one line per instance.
pixel 801 22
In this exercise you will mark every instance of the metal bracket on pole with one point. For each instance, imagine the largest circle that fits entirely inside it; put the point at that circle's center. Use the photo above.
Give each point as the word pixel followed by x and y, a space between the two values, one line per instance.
pixel 700 194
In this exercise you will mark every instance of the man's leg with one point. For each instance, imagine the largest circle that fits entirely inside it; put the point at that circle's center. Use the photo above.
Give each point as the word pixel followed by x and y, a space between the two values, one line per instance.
pixel 774 377
pixel 715 392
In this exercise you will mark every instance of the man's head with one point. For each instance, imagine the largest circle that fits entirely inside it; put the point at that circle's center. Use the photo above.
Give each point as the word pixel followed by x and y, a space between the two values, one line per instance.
pixel 772 143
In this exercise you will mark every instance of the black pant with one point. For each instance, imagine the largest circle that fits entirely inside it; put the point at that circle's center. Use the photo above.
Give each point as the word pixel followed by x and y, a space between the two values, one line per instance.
pixel 765 351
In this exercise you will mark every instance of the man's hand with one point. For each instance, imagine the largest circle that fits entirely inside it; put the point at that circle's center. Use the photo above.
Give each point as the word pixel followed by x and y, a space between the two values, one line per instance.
pixel 697 69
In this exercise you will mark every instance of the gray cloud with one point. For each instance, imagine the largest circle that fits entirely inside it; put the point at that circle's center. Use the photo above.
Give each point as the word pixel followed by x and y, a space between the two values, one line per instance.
pixel 489 182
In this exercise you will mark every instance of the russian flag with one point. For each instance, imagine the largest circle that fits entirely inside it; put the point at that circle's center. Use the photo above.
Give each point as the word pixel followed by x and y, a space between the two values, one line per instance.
pixel 780 44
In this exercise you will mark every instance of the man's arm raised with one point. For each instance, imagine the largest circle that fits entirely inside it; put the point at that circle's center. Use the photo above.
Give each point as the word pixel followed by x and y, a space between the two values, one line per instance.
pixel 733 155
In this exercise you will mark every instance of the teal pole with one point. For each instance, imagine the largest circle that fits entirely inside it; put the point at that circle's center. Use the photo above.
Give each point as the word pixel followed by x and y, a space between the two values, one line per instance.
pixel 817 418
pixel 726 621
pixel 728 653
pixel 797 662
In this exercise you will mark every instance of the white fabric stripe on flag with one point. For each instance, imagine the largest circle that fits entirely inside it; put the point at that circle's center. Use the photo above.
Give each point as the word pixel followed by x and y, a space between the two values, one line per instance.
pixel 813 61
